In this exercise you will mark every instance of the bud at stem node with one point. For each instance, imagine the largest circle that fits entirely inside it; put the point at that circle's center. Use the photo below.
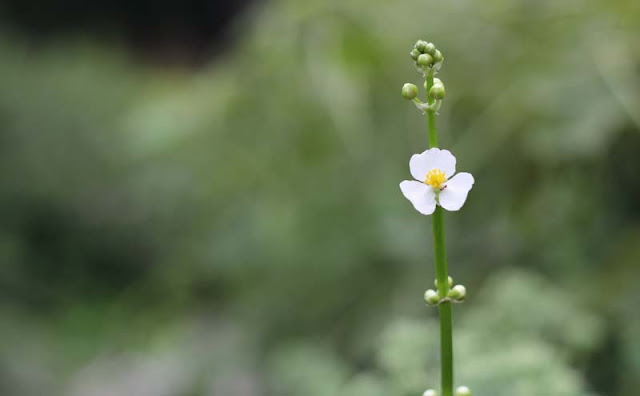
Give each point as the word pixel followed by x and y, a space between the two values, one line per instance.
pixel 409 91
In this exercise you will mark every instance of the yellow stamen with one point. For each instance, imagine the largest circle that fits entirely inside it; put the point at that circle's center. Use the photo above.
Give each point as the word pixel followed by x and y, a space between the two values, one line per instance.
pixel 435 178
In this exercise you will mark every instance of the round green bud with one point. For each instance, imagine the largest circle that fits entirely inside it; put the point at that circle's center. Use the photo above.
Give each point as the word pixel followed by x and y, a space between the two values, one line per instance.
pixel 414 54
pixel 463 391
pixel 431 297
pixel 409 91
pixel 436 81
pixel 430 48
pixel 449 279
pixel 424 60
pixel 437 56
pixel 430 392
pixel 420 45
pixel 437 91
pixel 458 292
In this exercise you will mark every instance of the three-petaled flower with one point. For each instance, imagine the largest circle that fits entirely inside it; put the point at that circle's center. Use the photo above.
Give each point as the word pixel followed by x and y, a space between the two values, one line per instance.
pixel 434 169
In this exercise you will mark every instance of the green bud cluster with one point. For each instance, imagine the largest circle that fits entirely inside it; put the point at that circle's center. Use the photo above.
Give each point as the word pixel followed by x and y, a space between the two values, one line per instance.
pixel 456 293
pixel 426 55
pixel 427 59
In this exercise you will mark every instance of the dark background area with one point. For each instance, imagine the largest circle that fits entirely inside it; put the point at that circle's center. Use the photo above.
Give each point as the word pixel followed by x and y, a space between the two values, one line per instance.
pixel 160 32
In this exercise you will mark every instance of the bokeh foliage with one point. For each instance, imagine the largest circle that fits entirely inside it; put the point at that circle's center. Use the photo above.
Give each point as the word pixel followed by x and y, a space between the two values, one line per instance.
pixel 239 230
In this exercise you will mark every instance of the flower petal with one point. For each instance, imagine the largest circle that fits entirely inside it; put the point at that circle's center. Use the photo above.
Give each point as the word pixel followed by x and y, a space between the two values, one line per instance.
pixel 434 158
pixel 453 196
pixel 420 195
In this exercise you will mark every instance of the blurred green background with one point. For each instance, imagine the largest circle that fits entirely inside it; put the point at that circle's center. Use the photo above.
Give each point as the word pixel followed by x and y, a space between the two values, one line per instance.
pixel 232 225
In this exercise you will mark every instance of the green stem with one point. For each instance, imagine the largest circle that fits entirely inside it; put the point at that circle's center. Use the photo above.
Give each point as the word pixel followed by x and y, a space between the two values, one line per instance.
pixel 446 320
pixel 431 115
pixel 442 275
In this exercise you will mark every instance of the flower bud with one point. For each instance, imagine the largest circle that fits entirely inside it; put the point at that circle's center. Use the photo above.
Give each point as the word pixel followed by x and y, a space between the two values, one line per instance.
pixel 437 56
pixel 430 48
pixel 414 54
pixel 437 91
pixel 449 279
pixel 463 391
pixel 458 292
pixel 420 45
pixel 430 392
pixel 424 60
pixel 409 91
pixel 431 297
pixel 436 81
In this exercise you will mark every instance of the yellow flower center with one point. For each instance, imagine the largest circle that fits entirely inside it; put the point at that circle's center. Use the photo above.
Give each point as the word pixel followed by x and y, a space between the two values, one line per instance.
pixel 435 178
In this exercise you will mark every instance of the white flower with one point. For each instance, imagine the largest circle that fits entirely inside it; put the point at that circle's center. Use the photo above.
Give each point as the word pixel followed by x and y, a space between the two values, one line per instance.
pixel 433 170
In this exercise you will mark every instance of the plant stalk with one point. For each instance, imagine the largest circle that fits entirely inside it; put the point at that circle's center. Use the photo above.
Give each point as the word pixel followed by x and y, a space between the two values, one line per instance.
pixel 431 115
pixel 442 275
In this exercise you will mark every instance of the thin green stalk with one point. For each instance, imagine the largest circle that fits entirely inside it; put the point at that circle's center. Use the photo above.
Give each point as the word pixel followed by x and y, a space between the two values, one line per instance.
pixel 431 115
pixel 442 275
pixel 446 320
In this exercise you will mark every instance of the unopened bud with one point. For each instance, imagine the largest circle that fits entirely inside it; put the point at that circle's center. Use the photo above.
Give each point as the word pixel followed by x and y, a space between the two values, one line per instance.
pixel 458 292
pixel 437 91
pixel 449 280
pixel 424 60
pixel 430 48
pixel 420 45
pixel 414 54
pixel 437 56
pixel 409 91
pixel 463 391
pixel 430 392
pixel 431 297
pixel 436 81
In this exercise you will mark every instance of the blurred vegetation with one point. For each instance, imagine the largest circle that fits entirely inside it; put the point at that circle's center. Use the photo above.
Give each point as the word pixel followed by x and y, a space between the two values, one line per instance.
pixel 514 341
pixel 239 229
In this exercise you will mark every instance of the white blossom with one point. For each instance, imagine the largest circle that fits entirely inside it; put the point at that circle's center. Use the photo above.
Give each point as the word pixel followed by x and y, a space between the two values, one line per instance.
pixel 436 184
